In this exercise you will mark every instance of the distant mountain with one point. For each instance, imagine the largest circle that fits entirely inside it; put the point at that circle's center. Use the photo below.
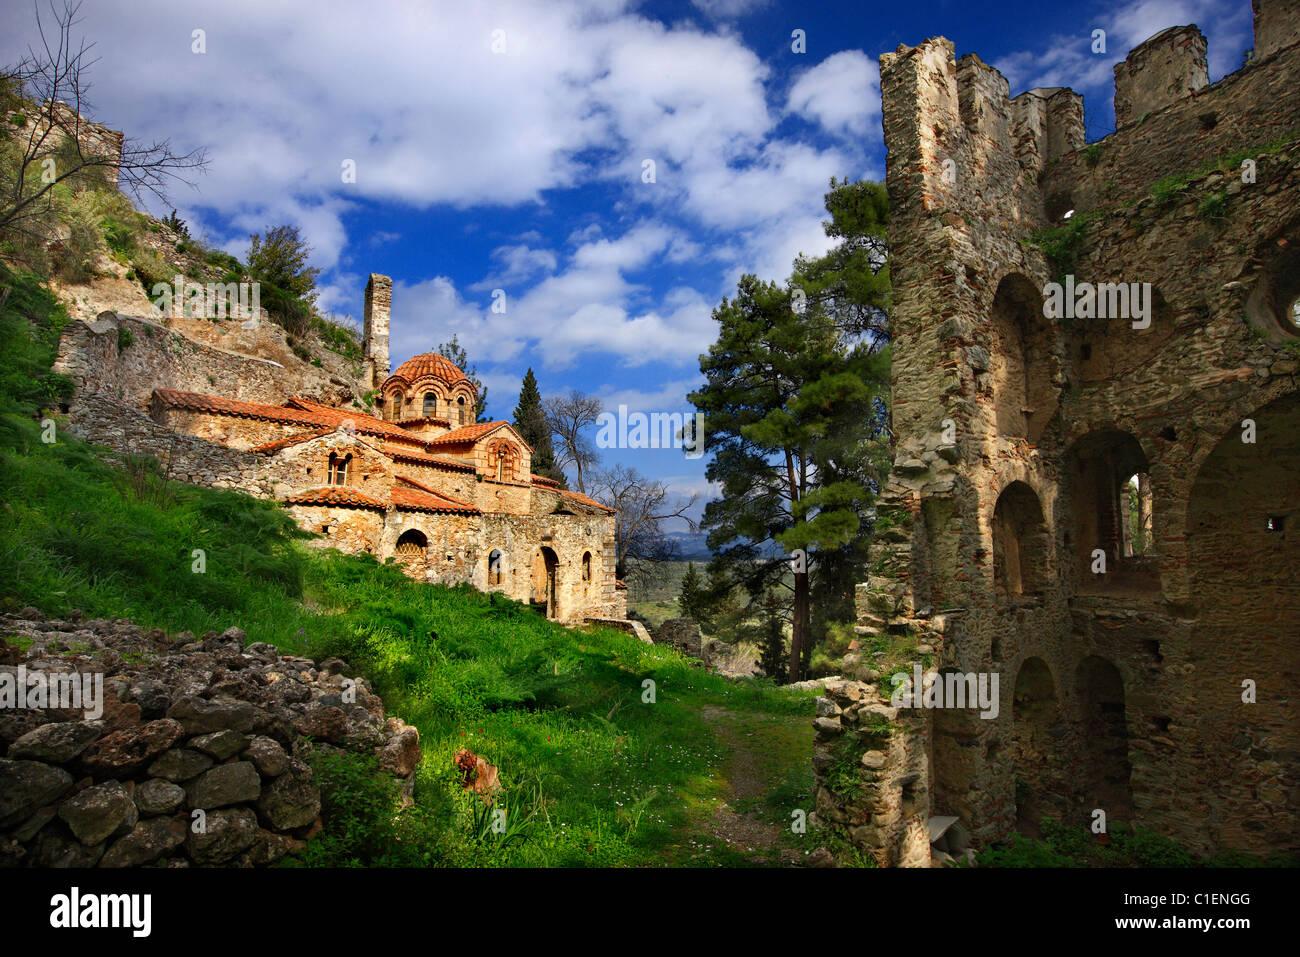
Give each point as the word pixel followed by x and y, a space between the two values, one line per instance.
pixel 693 547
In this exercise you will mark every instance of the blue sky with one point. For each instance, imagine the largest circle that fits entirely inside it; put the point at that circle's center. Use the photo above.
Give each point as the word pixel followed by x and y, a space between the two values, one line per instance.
pixel 521 170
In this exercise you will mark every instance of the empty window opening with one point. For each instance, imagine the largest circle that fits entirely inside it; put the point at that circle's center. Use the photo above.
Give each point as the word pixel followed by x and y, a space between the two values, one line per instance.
pixel 496 570
pixel 460 410
pixel 1136 515
pixel 430 405
pixel 1112 497
pixel 1276 523
pixel 586 566
pixel 338 468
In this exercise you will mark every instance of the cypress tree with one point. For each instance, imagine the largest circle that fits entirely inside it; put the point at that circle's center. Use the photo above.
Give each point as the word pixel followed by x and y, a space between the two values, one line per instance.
pixel 530 423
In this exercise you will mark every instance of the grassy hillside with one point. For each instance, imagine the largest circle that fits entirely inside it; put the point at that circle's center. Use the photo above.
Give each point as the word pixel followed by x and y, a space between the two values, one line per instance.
pixel 593 773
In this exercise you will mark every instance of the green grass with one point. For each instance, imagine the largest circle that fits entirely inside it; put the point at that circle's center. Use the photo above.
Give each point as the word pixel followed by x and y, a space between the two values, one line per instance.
pixel 1123 846
pixel 593 773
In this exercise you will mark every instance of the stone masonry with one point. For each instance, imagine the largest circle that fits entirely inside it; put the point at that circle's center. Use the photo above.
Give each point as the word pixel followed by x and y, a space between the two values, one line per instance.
pixel 1103 513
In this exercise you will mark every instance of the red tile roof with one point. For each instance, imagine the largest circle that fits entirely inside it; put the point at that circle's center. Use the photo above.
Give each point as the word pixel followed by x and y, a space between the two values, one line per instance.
pixel 336 495
pixel 543 480
pixel 424 499
pixel 430 363
pixel 296 412
pixel 272 447
pixel 421 458
pixel 467 435
pixel 583 499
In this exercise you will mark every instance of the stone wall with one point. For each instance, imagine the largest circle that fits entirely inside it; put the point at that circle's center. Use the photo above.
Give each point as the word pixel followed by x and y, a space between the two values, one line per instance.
pixel 1018 435
pixel 180 752
pixel 126 358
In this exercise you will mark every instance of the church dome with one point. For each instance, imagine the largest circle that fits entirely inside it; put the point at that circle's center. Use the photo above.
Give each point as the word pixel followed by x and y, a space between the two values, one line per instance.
pixel 430 364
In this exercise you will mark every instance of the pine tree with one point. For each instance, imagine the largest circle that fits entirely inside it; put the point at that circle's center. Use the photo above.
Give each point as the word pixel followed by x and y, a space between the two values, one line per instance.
pixel 786 399
pixel 692 601
pixel 530 423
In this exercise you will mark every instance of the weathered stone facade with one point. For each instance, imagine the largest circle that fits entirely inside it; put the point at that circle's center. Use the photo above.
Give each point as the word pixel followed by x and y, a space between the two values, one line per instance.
pixel 1102 513
pixel 453 500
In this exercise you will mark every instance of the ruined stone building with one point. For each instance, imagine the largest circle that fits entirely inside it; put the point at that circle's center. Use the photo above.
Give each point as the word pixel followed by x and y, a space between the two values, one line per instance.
pixel 1103 512
pixel 419 480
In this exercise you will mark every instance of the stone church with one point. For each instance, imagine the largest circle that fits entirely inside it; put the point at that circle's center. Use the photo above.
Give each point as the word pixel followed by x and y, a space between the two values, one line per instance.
pixel 418 481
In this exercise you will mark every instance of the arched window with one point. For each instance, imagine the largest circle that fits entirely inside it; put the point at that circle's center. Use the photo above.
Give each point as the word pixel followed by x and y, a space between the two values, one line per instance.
pixel 412 544
pixel 586 566
pixel 1019 543
pixel 496 567
pixel 338 469
pixel 430 404
pixel 460 410
pixel 503 458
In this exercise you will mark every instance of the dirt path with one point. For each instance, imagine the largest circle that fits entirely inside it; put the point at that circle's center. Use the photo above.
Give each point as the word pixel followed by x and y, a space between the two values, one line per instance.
pixel 761 781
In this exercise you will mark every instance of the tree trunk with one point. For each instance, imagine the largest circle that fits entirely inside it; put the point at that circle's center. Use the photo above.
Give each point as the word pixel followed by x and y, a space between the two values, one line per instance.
pixel 799 626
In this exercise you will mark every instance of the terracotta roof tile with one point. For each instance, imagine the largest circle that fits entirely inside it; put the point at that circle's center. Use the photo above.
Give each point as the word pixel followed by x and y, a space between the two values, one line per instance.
pixel 335 495
pixel 543 480
pixel 422 499
pixel 421 458
pixel 292 440
pixel 430 363
pixel 467 435
pixel 298 412
pixel 583 499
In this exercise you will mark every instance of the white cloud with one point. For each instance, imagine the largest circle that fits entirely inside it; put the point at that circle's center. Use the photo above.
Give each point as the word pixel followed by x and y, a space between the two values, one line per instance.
pixel 842 93
pixel 1068 60
pixel 729 9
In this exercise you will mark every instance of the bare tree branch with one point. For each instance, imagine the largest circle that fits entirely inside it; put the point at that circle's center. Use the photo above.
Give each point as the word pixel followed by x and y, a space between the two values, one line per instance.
pixel 61 146
pixel 568 416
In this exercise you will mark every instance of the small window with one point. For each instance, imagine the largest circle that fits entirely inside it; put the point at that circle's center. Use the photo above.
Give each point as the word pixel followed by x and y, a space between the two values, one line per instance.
pixel 430 405
pixel 460 410
pixel 1294 313
pixel 496 563
pixel 1276 523
pixel 338 469
pixel 586 566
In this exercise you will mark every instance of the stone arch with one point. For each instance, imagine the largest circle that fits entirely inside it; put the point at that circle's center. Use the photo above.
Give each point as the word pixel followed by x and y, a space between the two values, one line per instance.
pixel 1035 724
pixel 1113 500
pixel 1103 772
pixel 1021 548
pixel 586 568
pixel 1021 360
pixel 412 549
pixel 545 591
pixel 496 567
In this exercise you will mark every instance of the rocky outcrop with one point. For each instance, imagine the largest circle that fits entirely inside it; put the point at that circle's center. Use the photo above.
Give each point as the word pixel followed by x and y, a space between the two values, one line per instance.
pixel 180 752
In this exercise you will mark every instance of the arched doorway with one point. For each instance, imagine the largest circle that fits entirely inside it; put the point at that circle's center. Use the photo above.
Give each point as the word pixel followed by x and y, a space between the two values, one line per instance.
pixel 1102 777
pixel 545 564
pixel 1035 720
